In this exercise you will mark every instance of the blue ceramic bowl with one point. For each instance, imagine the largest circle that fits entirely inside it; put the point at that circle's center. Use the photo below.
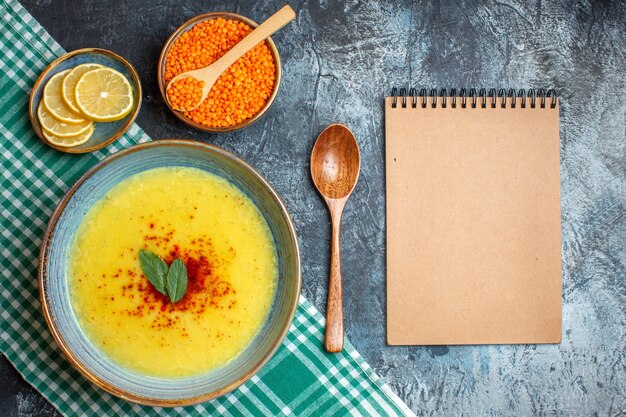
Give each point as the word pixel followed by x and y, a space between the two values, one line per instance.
pixel 54 260
pixel 104 133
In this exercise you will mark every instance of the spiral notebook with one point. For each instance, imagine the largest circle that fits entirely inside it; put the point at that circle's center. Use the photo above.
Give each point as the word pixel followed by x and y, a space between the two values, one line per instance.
pixel 473 217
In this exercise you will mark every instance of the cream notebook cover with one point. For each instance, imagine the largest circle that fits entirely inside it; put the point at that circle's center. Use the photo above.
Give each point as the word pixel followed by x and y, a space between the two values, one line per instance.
pixel 473 219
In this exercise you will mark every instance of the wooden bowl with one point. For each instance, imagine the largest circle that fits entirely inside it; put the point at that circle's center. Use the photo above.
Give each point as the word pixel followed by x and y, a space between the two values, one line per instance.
pixel 186 27
pixel 104 133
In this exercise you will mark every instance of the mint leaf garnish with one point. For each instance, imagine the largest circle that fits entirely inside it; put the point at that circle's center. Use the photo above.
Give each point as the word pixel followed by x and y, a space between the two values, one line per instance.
pixel 154 268
pixel 177 280
pixel 170 281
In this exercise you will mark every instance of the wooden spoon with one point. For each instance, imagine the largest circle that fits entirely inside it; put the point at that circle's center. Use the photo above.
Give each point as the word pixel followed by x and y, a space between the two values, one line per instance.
pixel 211 73
pixel 335 166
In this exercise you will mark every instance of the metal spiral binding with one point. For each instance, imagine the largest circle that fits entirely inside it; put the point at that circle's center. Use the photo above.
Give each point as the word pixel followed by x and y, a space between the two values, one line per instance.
pixel 487 99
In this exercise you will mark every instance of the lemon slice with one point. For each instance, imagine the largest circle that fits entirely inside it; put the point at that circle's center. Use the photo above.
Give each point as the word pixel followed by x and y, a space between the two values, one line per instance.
pixel 104 95
pixel 53 100
pixel 60 129
pixel 70 81
pixel 69 141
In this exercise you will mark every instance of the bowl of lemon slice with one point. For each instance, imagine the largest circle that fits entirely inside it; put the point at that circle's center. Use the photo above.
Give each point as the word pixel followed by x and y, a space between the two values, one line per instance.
pixel 85 100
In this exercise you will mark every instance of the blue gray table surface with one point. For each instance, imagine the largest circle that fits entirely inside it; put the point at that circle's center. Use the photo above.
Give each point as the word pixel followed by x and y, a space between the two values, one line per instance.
pixel 339 60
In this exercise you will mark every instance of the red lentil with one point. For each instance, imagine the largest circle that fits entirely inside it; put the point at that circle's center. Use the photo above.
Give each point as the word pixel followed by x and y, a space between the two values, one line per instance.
pixel 185 93
pixel 244 88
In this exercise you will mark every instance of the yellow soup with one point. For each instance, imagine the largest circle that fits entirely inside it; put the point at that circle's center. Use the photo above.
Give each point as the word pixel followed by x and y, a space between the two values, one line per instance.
pixel 230 257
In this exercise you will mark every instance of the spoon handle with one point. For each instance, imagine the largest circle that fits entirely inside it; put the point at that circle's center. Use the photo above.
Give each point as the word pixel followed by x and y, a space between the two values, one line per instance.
pixel 262 32
pixel 333 340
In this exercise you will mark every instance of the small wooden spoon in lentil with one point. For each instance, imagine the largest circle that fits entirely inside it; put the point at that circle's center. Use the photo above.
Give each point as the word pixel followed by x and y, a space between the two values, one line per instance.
pixel 204 78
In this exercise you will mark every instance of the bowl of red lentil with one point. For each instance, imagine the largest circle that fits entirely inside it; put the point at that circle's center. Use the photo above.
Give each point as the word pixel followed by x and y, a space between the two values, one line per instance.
pixel 243 93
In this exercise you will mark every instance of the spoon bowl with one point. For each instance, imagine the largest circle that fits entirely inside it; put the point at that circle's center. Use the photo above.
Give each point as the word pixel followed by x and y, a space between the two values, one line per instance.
pixel 335 162
pixel 335 167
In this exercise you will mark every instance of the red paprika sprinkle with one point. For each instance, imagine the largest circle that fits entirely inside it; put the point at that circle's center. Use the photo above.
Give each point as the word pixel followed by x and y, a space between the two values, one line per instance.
pixel 205 289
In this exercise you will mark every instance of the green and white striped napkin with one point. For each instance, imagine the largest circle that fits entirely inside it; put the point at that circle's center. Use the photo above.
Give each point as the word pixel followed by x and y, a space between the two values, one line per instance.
pixel 301 379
